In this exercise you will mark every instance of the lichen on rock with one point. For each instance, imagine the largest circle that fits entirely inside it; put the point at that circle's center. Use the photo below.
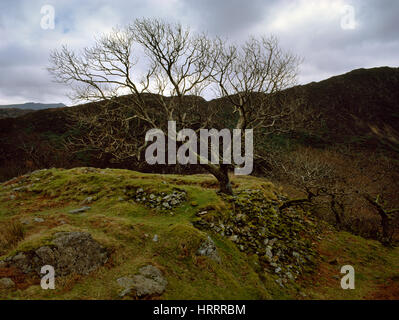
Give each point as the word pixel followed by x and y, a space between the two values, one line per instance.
pixel 282 239
pixel 70 252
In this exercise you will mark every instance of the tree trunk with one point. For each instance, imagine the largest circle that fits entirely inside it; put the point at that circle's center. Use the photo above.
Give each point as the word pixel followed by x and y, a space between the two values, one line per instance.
pixel 221 173
pixel 387 228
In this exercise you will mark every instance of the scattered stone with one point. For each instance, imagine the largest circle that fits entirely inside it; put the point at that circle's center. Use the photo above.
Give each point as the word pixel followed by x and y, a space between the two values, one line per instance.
pixel 39 220
pixel 269 253
pixel 208 248
pixel 87 200
pixel 161 201
pixel 155 239
pixel 23 188
pixel 290 276
pixel 279 281
pixel 25 221
pixel 272 242
pixel 6 283
pixel 255 221
pixel 80 210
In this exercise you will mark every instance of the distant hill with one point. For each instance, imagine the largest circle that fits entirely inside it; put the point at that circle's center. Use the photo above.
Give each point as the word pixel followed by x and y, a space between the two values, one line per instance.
pixel 33 106
pixel 17 110
pixel 339 111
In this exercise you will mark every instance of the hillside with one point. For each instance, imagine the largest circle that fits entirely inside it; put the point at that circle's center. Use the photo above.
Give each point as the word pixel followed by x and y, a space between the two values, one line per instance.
pixel 13 112
pixel 18 110
pixel 334 132
pixel 335 112
pixel 179 230
pixel 342 108
pixel 33 106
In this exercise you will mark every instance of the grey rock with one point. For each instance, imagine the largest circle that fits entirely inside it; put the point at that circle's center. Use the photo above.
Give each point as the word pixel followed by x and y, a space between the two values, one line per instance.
pixel 71 252
pixel 155 238
pixel 39 220
pixel 125 282
pixel 46 254
pixel 25 221
pixel 87 200
pixel 272 242
pixel 289 275
pixel 148 282
pixel 6 283
pixel 269 253
pixel 208 248
pixel 280 282
pixel 80 210
pixel 22 262
pixel 125 292
pixel 19 189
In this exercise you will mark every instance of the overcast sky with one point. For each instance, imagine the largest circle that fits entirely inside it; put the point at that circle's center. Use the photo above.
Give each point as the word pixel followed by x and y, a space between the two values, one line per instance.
pixel 333 36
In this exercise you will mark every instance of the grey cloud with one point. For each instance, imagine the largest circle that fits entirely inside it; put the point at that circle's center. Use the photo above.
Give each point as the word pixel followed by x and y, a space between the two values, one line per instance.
pixel 327 49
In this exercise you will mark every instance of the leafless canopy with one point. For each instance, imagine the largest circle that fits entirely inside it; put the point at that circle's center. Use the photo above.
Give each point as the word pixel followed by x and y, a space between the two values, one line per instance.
pixel 155 60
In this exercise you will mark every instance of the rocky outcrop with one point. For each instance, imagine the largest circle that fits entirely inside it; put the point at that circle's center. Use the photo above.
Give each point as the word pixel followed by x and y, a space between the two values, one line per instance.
pixel 257 226
pixel 70 252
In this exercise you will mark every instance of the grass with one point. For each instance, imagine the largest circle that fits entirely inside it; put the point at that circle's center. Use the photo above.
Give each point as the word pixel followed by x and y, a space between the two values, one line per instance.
pixel 127 229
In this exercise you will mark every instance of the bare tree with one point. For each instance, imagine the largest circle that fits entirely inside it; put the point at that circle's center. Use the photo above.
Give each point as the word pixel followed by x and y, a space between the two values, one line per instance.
pixel 178 66
pixel 386 217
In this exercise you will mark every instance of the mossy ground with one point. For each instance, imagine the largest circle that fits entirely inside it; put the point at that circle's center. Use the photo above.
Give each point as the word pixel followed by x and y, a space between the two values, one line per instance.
pixel 127 229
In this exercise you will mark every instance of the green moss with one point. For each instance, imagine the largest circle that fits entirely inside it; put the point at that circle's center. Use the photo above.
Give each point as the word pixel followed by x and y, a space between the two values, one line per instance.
pixel 127 229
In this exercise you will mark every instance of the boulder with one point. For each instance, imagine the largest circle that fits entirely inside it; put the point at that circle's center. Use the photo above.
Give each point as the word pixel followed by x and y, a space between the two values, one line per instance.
pixel 148 282
pixel 71 252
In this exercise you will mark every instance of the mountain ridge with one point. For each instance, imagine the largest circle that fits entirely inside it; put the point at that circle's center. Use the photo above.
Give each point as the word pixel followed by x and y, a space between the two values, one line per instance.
pixel 32 106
